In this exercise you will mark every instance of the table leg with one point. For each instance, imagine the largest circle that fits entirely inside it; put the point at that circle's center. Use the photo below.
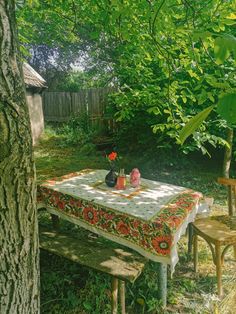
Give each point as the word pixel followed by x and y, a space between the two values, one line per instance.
pixel 190 238
pixel 55 221
pixel 162 282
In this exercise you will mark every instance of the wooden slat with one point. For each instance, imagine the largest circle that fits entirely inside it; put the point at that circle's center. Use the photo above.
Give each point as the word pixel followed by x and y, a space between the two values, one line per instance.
pixel 60 106
pixel 230 203
pixel 117 262
pixel 226 181
pixel 215 231
pixel 231 183
pixel 234 197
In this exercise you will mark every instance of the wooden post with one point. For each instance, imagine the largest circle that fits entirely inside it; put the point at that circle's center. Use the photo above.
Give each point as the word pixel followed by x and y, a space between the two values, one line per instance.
pixel 235 252
pixel 162 282
pixel 195 253
pixel 230 205
pixel 218 270
pixel 228 153
pixel 122 296
pixel 114 302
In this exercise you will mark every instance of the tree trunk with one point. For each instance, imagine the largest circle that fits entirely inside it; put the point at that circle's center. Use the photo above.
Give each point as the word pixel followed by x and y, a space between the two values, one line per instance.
pixel 19 268
pixel 228 153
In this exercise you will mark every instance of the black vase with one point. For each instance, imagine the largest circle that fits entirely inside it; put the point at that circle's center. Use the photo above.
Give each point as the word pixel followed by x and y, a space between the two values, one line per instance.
pixel 111 178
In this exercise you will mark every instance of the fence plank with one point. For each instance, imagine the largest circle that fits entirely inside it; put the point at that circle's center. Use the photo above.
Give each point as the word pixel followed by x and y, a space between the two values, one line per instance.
pixel 60 106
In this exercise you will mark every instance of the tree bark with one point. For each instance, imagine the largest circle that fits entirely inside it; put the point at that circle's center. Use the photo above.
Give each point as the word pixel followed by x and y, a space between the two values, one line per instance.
pixel 19 267
pixel 228 153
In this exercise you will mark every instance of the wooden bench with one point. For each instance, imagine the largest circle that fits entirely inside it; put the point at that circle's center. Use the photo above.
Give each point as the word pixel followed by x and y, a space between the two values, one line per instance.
pixel 119 263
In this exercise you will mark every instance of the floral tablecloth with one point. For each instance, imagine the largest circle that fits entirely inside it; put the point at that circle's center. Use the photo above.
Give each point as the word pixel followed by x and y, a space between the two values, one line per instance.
pixel 149 219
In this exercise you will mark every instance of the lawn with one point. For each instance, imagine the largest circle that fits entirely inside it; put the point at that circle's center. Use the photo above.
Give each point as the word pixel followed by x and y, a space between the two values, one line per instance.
pixel 70 288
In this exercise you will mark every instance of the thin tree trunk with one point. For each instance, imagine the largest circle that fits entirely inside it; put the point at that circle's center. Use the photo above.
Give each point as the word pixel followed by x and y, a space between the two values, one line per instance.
pixel 19 269
pixel 228 153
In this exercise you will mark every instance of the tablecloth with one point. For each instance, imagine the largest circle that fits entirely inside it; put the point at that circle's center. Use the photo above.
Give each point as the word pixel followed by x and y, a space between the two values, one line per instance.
pixel 149 219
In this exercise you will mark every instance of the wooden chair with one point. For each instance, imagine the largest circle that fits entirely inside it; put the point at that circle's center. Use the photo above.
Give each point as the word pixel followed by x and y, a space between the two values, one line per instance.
pixel 219 232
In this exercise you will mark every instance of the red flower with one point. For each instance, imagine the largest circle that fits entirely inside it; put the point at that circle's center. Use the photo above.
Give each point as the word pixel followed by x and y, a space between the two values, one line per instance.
pixel 72 202
pixel 146 228
pixel 185 205
pixel 79 204
pixel 158 223
pixel 90 215
pixel 61 205
pixel 122 228
pixel 106 225
pixel 162 244
pixel 108 216
pixel 144 243
pixel 135 224
pixel 175 221
pixel 135 233
pixel 112 156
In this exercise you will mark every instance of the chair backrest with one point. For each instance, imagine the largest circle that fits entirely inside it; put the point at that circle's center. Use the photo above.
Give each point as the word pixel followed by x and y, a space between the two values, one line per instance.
pixel 231 184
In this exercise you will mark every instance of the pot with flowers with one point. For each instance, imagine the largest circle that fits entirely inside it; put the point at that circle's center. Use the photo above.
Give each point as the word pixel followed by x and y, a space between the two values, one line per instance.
pixel 111 177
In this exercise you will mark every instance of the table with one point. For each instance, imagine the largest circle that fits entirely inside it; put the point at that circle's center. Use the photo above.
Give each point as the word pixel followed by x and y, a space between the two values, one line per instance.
pixel 149 219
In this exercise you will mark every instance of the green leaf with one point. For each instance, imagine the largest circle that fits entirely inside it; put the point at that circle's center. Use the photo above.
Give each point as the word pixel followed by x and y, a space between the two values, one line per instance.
pixel 140 301
pixel 223 46
pixel 221 50
pixel 193 124
pixel 226 107
pixel 87 305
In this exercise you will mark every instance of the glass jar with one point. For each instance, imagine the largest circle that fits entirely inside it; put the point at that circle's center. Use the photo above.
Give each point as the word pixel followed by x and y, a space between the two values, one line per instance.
pixel 121 180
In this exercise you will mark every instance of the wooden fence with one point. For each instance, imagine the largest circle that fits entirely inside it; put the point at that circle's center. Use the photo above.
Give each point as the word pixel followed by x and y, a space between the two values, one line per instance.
pixel 61 106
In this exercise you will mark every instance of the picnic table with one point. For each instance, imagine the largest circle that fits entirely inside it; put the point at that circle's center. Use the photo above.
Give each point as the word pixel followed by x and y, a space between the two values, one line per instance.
pixel 149 219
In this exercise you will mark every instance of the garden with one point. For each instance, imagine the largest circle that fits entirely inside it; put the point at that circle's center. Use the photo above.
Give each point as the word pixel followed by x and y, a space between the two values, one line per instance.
pixel 146 91
pixel 67 287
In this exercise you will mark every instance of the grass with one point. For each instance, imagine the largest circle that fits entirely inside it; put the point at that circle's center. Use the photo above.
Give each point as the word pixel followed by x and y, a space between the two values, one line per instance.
pixel 72 289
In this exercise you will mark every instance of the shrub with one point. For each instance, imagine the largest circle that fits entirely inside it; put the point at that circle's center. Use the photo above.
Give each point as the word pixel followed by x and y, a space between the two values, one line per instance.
pixel 77 131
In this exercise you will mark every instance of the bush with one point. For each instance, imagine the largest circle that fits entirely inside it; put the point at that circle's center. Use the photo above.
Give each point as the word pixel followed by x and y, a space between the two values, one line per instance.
pixel 77 131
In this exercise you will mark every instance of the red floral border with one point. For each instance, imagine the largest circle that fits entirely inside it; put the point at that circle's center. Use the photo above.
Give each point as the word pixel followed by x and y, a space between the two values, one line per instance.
pixel 155 236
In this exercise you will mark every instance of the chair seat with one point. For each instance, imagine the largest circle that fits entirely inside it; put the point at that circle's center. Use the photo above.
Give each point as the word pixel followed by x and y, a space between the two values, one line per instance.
pixel 215 229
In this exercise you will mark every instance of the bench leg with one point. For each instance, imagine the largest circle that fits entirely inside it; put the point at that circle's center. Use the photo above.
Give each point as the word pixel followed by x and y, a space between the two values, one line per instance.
pixel 235 252
pixel 122 296
pixel 114 292
pixel 162 282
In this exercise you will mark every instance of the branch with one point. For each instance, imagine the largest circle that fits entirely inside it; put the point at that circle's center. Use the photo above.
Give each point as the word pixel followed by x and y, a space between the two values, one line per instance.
pixel 155 16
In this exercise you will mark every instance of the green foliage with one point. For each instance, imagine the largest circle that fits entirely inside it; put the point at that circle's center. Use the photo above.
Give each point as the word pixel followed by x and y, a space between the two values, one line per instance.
pixel 170 71
pixel 194 123
pixel 224 45
pixel 170 59
pixel 227 108
pixel 76 80
pixel 77 131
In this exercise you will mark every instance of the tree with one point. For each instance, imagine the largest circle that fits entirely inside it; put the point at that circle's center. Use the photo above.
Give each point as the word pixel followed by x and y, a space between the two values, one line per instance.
pixel 52 45
pixel 19 267
pixel 160 54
